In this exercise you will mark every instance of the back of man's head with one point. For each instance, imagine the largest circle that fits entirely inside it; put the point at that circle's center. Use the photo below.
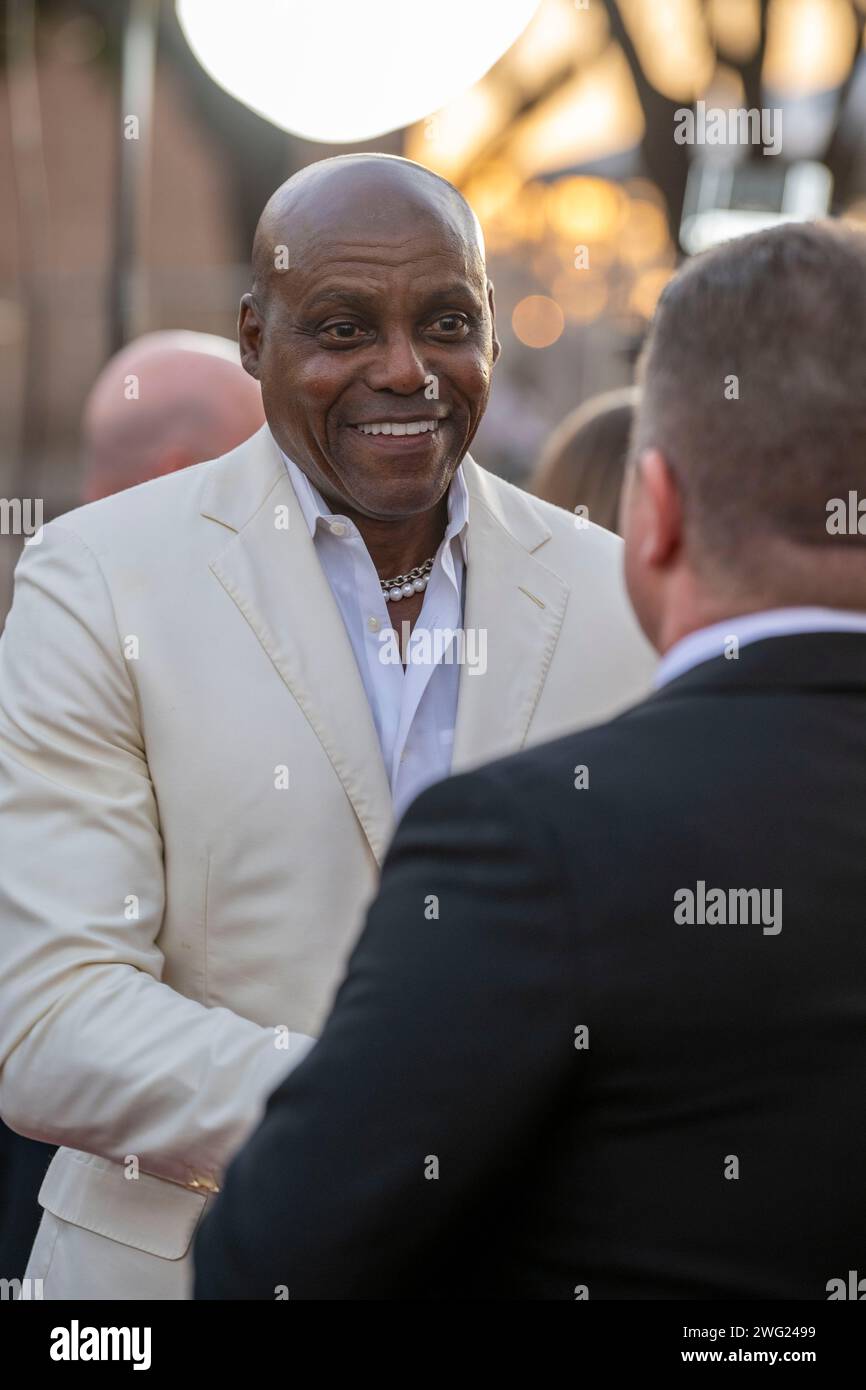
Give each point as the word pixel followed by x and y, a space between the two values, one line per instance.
pixel 752 421
pixel 165 401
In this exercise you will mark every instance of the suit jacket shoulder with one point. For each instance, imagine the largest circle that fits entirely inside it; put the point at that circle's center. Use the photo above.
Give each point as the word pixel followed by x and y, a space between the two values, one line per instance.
pixel 229 488
pixel 538 523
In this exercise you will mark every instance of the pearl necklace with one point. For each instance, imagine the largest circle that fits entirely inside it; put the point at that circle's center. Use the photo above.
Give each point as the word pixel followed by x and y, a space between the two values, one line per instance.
pixel 405 585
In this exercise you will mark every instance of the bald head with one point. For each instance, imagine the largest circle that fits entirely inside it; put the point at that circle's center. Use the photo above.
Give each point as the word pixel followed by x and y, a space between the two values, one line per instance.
pixel 165 401
pixel 355 191
pixel 371 306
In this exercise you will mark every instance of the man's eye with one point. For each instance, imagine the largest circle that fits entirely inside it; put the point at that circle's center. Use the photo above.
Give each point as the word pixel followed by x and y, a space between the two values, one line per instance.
pixel 453 325
pixel 344 331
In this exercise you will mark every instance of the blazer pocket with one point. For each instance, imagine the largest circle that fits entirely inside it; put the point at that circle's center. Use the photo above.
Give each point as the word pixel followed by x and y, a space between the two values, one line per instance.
pixel 146 1212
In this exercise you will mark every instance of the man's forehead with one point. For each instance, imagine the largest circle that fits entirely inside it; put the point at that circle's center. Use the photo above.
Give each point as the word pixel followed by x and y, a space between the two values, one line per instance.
pixel 375 292
pixel 367 212
pixel 388 232
pixel 383 191
pixel 418 267
pixel 424 252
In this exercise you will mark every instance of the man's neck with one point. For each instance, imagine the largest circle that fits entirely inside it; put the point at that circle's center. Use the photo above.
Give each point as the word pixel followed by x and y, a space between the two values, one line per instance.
pixel 730 614
pixel 725 637
pixel 398 546
pixel 801 579
pixel 680 623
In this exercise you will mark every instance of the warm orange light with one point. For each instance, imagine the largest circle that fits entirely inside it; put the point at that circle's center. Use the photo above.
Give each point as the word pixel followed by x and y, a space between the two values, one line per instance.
pixel 546 262
pixel 646 190
pixel 448 140
pixel 585 209
pixel 583 294
pixel 559 32
pixel 809 45
pixel 643 236
pixel 673 45
pixel 646 290
pixel 736 27
pixel 492 191
pixel 528 214
pixel 595 113
pixel 537 321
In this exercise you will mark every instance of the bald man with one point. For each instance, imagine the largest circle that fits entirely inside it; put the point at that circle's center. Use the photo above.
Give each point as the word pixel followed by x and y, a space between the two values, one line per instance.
pixel 219 689
pixel 164 402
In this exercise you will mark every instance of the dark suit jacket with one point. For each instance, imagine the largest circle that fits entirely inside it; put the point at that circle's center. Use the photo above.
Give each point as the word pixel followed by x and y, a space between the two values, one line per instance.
pixel 446 1138
pixel 22 1169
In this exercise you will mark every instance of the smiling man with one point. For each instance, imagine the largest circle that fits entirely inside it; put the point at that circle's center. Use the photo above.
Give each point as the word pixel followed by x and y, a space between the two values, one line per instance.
pixel 198 709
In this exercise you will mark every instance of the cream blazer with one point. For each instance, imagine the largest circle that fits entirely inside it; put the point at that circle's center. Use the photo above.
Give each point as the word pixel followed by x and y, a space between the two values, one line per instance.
pixel 194 809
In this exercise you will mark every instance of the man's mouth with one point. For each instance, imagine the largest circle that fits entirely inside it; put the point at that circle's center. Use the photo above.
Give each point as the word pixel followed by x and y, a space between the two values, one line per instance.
pixel 398 427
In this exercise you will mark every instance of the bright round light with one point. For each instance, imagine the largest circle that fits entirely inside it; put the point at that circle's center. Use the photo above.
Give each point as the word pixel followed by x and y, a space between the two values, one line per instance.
pixel 537 321
pixel 339 71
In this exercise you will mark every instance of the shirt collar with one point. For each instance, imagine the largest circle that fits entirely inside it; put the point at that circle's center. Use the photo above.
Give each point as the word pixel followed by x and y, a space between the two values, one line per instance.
pixel 458 511
pixel 710 642
pixel 311 502
pixel 315 509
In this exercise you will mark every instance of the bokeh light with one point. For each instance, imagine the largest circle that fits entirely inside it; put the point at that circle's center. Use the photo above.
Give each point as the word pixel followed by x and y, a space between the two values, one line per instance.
pixel 537 321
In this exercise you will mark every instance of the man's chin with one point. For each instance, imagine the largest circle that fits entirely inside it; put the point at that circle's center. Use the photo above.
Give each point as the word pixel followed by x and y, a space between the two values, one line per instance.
pixel 399 503
pixel 396 484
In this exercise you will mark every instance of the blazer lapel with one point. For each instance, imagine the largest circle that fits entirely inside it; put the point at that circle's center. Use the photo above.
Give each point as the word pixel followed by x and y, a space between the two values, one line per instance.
pixel 520 604
pixel 270 570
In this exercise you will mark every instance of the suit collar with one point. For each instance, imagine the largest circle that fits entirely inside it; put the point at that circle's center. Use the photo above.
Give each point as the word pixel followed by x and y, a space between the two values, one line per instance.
pixel 518 603
pixel 237 484
pixel 270 570
pixel 512 510
pixel 737 632
pixel 807 661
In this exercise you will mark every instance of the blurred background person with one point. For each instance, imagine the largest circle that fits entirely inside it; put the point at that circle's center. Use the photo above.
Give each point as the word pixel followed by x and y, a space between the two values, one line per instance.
pixel 164 402
pixel 583 462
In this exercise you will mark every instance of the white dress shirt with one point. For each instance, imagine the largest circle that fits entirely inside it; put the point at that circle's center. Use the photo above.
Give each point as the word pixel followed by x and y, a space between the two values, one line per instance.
pixel 414 710
pixel 709 642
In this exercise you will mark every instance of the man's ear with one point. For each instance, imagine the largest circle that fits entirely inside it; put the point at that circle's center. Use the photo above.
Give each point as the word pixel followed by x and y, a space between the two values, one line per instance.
pixel 661 503
pixel 497 347
pixel 250 335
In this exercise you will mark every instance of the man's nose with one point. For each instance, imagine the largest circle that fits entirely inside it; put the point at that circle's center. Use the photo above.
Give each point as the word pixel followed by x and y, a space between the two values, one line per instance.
pixel 396 365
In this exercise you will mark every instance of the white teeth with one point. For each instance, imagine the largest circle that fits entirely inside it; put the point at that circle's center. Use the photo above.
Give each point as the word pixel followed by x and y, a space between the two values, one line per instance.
pixel 394 427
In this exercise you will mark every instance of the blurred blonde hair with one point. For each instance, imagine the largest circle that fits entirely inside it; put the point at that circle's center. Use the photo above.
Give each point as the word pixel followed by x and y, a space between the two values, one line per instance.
pixel 583 461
